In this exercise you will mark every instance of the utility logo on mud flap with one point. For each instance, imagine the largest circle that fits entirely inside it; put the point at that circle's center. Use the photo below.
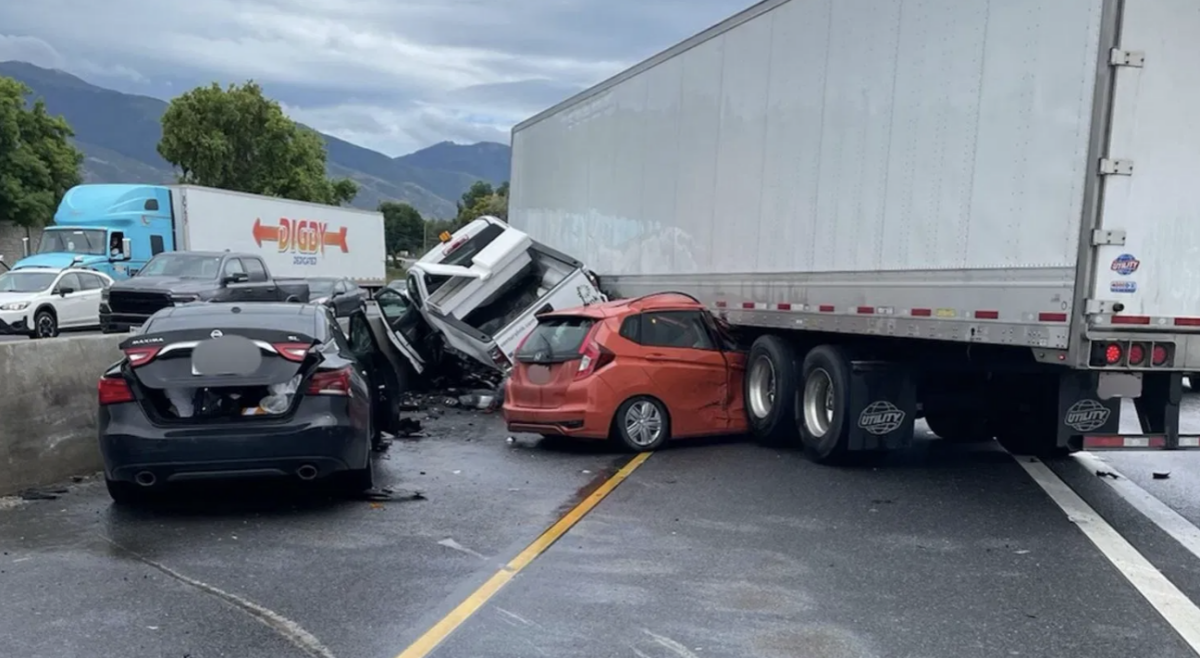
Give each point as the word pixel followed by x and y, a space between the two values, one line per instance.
pixel 1086 416
pixel 881 417
pixel 1125 264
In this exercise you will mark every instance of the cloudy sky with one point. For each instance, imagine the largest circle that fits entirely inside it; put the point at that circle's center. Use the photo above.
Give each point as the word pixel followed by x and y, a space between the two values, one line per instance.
pixel 393 75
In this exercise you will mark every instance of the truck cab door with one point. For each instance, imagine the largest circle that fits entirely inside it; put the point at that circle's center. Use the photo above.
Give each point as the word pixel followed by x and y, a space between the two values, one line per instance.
pixel 404 328
pixel 388 377
pixel 261 287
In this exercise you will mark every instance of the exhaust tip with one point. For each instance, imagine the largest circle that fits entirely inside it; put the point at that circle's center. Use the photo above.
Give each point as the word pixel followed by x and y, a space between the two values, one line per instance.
pixel 307 472
pixel 145 479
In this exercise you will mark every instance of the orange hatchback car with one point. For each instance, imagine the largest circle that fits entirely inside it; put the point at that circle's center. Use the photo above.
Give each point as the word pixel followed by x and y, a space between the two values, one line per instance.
pixel 639 371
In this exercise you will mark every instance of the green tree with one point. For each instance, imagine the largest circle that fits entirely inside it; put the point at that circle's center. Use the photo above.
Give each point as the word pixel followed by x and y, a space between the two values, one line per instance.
pixel 482 199
pixel 237 139
pixel 403 228
pixel 38 163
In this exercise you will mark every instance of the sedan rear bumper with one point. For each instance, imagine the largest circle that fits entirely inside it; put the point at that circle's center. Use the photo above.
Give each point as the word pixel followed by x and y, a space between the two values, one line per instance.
pixel 211 452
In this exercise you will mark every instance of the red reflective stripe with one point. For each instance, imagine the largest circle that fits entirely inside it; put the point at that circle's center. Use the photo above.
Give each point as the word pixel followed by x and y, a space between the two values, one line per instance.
pixel 1052 317
pixel 987 315
pixel 1124 442
pixel 825 308
pixel 866 310
pixel 922 312
pixel 1131 319
pixel 1187 322
pixel 721 304
pixel 747 304
pixel 784 306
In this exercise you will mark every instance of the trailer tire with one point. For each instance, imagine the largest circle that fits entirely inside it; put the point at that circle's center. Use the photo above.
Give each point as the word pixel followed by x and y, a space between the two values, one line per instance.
pixel 821 404
pixel 770 390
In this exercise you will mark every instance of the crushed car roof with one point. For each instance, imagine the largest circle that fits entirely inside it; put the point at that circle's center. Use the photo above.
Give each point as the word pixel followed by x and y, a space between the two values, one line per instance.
pixel 654 301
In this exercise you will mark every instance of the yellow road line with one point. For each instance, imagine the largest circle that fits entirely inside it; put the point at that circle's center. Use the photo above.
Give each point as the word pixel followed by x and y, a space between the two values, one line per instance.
pixel 470 605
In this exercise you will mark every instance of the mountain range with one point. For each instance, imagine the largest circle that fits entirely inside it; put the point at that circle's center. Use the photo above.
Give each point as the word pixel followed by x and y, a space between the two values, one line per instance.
pixel 118 134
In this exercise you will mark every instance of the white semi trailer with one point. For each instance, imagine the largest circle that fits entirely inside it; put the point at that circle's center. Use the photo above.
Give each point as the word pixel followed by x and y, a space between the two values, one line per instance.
pixel 983 212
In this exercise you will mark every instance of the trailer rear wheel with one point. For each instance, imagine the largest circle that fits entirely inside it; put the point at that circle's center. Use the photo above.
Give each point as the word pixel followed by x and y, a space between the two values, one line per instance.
pixel 821 404
pixel 770 390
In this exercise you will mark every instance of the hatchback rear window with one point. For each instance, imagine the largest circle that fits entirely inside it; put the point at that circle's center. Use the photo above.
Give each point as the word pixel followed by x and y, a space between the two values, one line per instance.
pixel 556 338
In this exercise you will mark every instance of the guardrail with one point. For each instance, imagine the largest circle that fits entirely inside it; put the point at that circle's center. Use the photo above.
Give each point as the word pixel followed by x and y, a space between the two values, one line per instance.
pixel 48 408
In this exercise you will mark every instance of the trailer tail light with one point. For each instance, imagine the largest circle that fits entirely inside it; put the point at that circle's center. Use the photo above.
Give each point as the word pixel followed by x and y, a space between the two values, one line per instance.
pixel 1112 354
pixel 1136 354
pixel 140 356
pixel 1161 355
pixel 292 351
pixel 113 390
pixel 330 382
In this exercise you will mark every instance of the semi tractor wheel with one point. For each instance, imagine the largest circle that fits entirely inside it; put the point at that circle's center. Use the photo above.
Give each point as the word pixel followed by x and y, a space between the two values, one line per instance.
pixel 821 409
pixel 770 390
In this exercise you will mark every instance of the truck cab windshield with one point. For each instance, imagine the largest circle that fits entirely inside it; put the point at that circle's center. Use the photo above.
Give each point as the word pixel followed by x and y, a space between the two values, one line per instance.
pixel 77 241
pixel 183 266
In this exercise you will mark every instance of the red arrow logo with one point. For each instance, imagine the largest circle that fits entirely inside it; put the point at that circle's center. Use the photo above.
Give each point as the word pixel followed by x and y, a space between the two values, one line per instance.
pixel 337 240
pixel 265 233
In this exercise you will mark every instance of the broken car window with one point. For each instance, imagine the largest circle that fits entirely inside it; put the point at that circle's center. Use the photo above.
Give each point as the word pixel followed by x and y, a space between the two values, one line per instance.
pixel 555 338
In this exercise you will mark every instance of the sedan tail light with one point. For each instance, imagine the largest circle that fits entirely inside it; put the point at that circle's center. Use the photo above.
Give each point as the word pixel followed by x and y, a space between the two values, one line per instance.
pixel 330 382
pixel 292 351
pixel 114 390
pixel 140 356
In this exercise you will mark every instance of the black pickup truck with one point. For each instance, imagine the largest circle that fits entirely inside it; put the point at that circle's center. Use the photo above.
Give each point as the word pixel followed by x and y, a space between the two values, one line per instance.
pixel 180 277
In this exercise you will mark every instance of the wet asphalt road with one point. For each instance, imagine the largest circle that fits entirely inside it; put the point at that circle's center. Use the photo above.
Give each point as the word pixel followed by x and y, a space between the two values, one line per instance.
pixel 717 549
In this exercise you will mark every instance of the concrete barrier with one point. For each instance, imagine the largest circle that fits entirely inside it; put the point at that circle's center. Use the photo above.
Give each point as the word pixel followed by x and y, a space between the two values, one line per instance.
pixel 48 408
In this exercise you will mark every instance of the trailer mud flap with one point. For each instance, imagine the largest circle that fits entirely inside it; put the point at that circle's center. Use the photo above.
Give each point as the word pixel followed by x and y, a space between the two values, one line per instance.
pixel 882 406
pixel 1157 413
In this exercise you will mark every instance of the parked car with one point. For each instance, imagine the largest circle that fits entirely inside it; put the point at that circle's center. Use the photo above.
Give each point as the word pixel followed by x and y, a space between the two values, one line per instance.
pixel 210 391
pixel 40 301
pixel 639 371
pixel 179 277
pixel 341 294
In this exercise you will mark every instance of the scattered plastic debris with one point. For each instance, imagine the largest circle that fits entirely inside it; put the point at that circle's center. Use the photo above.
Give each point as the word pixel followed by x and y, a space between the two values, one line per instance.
pixel 41 494
pixel 1161 475
pixel 1107 474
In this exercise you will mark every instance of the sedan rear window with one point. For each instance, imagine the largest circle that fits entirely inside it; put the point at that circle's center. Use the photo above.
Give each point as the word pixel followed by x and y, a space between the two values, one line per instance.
pixel 556 338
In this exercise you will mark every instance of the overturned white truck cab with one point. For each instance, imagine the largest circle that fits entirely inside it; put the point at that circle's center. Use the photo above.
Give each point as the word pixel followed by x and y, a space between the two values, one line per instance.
pixel 477 295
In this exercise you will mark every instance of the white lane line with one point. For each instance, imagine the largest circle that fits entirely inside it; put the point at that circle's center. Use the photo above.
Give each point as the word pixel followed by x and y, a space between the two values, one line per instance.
pixel 288 629
pixel 1174 606
pixel 1170 521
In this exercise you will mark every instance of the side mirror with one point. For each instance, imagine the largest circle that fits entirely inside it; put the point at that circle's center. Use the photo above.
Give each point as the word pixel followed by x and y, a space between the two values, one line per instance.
pixel 65 290
pixel 127 248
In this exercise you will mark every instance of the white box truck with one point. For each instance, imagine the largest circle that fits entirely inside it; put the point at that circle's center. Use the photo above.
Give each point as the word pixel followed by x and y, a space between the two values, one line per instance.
pixel 295 238
pixel 982 212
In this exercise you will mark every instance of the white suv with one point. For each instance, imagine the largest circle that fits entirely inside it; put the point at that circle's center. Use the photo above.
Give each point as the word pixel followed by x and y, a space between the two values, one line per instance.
pixel 39 301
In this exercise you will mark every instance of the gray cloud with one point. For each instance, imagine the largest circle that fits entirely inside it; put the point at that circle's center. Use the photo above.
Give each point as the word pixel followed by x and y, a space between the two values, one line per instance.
pixel 395 76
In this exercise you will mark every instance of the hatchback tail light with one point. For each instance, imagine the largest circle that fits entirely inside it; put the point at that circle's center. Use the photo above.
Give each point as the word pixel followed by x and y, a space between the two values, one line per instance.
pixel 114 390
pixel 330 382
pixel 593 355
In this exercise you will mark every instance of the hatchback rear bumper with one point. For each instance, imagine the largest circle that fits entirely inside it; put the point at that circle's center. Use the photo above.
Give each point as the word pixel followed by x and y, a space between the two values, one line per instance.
pixel 557 421
pixel 130 447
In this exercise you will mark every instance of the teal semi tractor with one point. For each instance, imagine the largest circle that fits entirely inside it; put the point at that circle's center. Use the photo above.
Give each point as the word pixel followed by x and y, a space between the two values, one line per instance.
pixel 111 228
pixel 117 228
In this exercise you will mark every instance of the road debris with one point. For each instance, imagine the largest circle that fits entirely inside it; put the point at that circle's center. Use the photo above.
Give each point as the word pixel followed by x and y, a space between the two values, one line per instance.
pixel 41 494
pixel 1107 474
pixel 1161 475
